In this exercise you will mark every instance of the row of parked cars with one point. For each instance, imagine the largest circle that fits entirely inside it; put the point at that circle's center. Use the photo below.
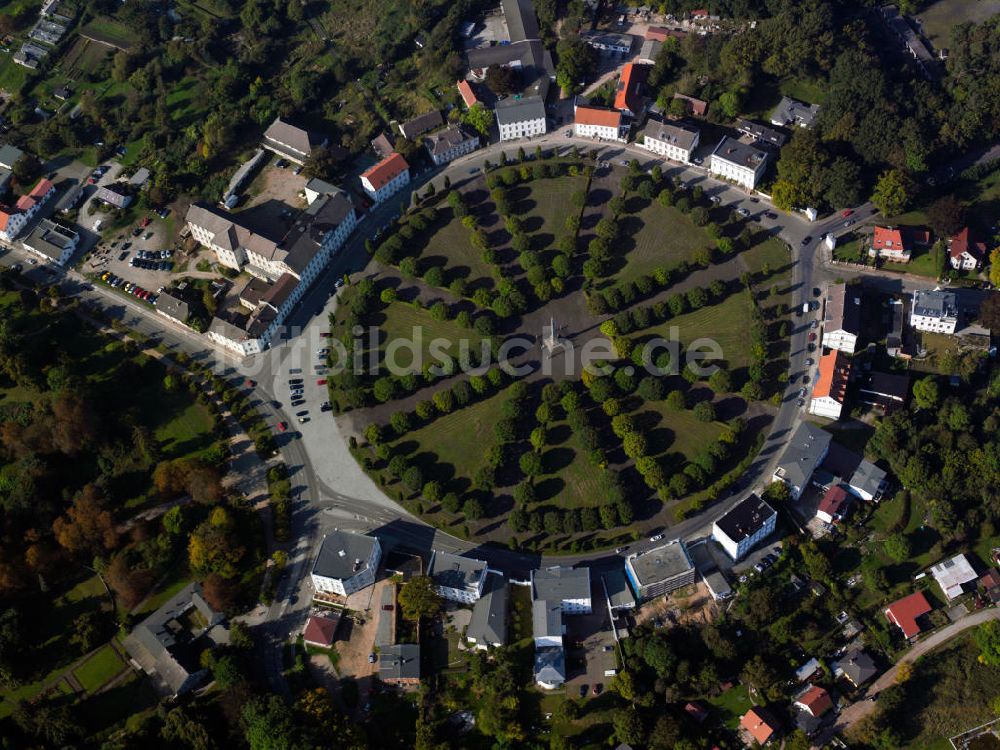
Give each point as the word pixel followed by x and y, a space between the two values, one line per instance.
pixel 129 287
pixel 152 265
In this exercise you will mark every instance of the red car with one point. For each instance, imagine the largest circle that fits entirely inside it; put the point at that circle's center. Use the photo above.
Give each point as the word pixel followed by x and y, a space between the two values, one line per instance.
pixel 282 426
pixel 845 213
pixel 145 222
pixel 812 336
pixel 249 383
pixel 321 381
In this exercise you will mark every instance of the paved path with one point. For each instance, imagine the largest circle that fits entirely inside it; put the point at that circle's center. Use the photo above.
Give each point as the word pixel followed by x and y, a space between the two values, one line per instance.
pixel 863 707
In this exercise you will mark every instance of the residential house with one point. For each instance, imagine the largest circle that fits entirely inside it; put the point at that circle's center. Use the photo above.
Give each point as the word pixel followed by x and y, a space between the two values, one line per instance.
pixel 449 144
pixel 738 162
pixel 661 33
pixel 526 52
pixel 383 145
pixel 488 626
pixel 934 310
pixel 568 586
pixel 759 726
pixel 386 178
pixel 457 578
pixel 793 113
pixel 896 244
pixel 911 41
pixel 628 92
pixel 966 253
pixel 805 451
pixel 906 613
pixel 744 526
pixel 291 142
pixel 673 141
pixel 887 391
pixel 815 701
pixel 555 591
pixel 521 118
pixel 834 505
pixel 413 129
pixel 14 218
pixel 9 157
pixel 171 305
pixel 346 563
pixel 321 629
pixel 399 665
pixel 550 668
pixel 990 584
pixel 52 242
pixel 807 670
pixel 467 94
pixel 868 481
pixel 830 389
pixel 855 666
pixel 842 324
pixel 952 576
pixel 596 122
pixel 609 42
pixel 616 590
pixel 316 188
pixel 695 107
pixel 649 51
pixel 660 570
pixel 761 133
pixel 114 195
pixel 168 644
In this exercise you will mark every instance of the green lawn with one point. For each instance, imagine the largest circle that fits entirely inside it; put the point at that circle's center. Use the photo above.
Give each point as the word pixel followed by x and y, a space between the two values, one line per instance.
pixel 731 705
pixel 451 241
pixel 923 262
pixel 407 323
pixel 771 255
pixel 576 481
pixel 851 248
pixel 177 578
pixel 111 29
pixel 548 203
pixel 938 19
pixel 100 669
pixel 129 699
pixel 810 92
pixel 662 236
pixel 187 431
pixel 679 431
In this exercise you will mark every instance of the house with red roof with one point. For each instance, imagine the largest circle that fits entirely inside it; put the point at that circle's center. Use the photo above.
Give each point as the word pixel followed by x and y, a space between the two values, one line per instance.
pixel 386 178
pixel 966 253
pixel 695 107
pixel 628 94
pixel 597 122
pixel 906 612
pixel 990 583
pixel 321 629
pixel 835 505
pixel 468 95
pixel 896 244
pixel 830 390
pixel 14 218
pixel 759 726
pixel 815 701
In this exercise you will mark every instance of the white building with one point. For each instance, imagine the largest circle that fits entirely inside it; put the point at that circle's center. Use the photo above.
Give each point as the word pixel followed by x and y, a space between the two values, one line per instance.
pixel 659 571
pixel 952 575
pixel 449 144
pixel 570 587
pixel 459 579
pixel 595 122
pixel 346 563
pixel 674 142
pixel 934 310
pixel 744 526
pixel 14 218
pixel 386 178
pixel 842 324
pixel 52 242
pixel 521 118
pixel 830 389
pixel 293 143
pixel 738 162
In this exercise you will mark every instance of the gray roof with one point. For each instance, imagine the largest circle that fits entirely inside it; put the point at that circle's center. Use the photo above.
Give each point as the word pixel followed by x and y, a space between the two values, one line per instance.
pixel 743 154
pixel 745 518
pixel 532 56
pixel 322 187
pixel 763 133
pixel 867 477
pixel 546 618
pixel 445 140
pixel 676 135
pixel 113 195
pixel 560 583
pixel 550 665
pixel 935 303
pixel 343 555
pixel 793 112
pixel 521 22
pixel 140 177
pixel 803 454
pixel 489 615
pixel 650 50
pixel 455 571
pixel 660 563
pixel 608 39
pixel 843 308
pixel 172 305
pixel 322 216
pixel 617 590
pixel 384 628
pixel 399 662
pixel 857 666
pixel 10 155
pixel 419 125
pixel 514 110
pixel 280 133
pixel 50 239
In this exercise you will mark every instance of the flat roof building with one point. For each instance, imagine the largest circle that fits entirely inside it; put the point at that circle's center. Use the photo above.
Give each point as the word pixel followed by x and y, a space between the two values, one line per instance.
pixel 460 579
pixel 568 586
pixel 660 570
pixel 744 526
pixel 52 242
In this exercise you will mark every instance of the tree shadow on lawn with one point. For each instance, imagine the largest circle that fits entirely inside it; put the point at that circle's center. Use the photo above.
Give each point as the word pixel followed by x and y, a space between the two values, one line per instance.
pixel 548 488
pixel 530 224
pixel 476 196
pixel 636 203
pixel 660 439
pixel 559 434
pixel 598 197
pixel 730 407
pixel 557 459
pixel 541 241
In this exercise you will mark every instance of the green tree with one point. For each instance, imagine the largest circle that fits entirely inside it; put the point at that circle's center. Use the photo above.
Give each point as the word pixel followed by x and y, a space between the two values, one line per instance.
pixel 419 598
pixel 987 637
pixel 577 61
pixel 925 393
pixel 897 546
pixel 891 195
pixel 479 118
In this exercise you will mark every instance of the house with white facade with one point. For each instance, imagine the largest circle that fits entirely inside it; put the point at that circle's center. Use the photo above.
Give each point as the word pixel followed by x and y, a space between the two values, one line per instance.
pixel 346 563
pixel 488 625
pixel 386 178
pixel 738 162
pixel 793 113
pixel 830 389
pixel 457 578
pixel 568 586
pixel 672 141
pixel 965 252
pixel 521 117
pixel 597 122
pixel 449 144
pixel 660 570
pixel 868 481
pixel 842 324
pixel 953 575
pixel 934 310
pixel 52 242
pixel 555 591
pixel 14 218
pixel 744 526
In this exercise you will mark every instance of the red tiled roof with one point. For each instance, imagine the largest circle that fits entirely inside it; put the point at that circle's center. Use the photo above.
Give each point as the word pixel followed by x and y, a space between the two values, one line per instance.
pixel 386 170
pixel 595 116
pixel 25 203
pixel 887 238
pixel 961 243
pixel 41 189
pixel 627 93
pixel 320 630
pixel 697 106
pixel 834 373
pixel 904 613
pixel 816 701
pixel 5 214
pixel 661 34
pixel 468 95
pixel 756 724
pixel 834 501
pixel 990 579
pixel 696 711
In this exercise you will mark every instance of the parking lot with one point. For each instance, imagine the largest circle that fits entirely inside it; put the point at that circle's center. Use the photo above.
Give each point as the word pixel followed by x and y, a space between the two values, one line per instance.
pixel 274 199
pixel 590 649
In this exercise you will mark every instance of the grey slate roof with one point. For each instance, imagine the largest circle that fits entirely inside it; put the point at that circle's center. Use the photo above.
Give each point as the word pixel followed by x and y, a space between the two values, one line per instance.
pixel 677 135
pixel 113 195
pixel 867 477
pixel 455 571
pixel 399 662
pixel 617 590
pixel 172 306
pixel 280 134
pixel 560 583
pixel 546 618
pixel 650 50
pixel 935 303
pixel 843 308
pixel 50 239
pixel 521 21
pixel 518 110
pixel 338 553
pixel 762 133
pixel 791 112
pixel 803 453
pixel 550 665
pixel 743 154
pixel 10 155
pixel 857 666
pixel 416 127
pixel 489 615
pixel 745 518
pixel 445 140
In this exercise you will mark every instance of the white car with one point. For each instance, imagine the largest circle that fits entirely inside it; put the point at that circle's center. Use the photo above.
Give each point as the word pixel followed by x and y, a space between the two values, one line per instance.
pixel 656 538
pixel 97 224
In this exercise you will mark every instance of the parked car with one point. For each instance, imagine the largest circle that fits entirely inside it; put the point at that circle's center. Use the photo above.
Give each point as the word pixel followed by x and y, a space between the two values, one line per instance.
pixel 656 537
pixel 282 426
pixel 806 240
pixel 372 658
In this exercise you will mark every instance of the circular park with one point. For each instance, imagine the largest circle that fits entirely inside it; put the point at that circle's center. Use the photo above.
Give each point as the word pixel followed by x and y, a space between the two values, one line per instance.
pixel 560 353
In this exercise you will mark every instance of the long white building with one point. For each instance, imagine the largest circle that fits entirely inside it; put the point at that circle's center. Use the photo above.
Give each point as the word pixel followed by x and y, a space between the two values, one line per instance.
pixel 596 122
pixel 744 526
pixel 674 142
pixel 934 311
pixel 521 118
pixel 457 578
pixel 346 563
pixel 386 178
pixel 738 162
